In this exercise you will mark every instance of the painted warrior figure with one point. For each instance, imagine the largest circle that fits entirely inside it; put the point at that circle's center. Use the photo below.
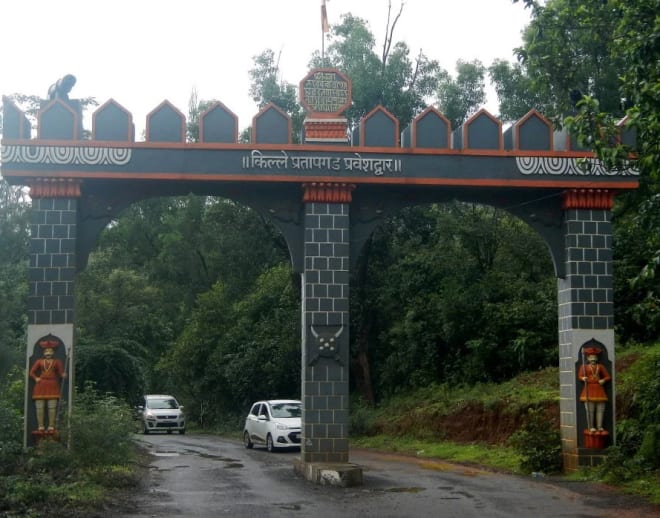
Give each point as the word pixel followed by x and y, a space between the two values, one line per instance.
pixel 594 375
pixel 47 372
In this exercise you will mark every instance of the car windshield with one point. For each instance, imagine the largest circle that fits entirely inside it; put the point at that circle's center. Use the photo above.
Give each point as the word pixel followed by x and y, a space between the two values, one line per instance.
pixel 164 403
pixel 286 410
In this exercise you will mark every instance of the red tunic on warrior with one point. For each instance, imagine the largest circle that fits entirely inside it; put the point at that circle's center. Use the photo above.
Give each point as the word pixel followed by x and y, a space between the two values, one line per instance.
pixel 593 390
pixel 49 372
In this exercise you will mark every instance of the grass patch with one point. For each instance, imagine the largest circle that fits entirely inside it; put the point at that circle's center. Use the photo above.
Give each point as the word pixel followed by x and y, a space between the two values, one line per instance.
pixel 647 486
pixel 500 458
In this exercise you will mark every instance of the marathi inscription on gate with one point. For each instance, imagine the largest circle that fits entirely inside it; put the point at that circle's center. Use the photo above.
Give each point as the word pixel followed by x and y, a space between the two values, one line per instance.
pixel 377 166
pixel 325 91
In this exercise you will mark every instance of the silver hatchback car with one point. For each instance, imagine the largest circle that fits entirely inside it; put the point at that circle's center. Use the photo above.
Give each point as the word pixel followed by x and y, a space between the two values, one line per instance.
pixel 161 412
pixel 275 423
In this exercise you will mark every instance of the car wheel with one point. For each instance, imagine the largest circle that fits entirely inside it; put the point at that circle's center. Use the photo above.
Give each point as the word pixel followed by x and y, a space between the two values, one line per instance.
pixel 182 431
pixel 246 440
pixel 269 443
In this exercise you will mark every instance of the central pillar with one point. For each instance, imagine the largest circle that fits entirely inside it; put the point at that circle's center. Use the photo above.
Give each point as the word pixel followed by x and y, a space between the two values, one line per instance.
pixel 325 337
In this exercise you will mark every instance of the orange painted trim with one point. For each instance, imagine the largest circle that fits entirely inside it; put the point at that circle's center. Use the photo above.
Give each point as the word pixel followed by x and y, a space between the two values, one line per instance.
pixel 428 110
pixel 270 106
pixel 111 102
pixel 482 113
pixel 55 188
pixel 76 120
pixel 242 177
pixel 182 117
pixel 588 199
pixel 397 131
pixel 331 192
pixel 217 105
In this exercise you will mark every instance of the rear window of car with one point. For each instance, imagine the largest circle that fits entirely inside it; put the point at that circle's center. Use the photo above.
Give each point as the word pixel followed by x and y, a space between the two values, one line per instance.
pixel 162 404
pixel 283 410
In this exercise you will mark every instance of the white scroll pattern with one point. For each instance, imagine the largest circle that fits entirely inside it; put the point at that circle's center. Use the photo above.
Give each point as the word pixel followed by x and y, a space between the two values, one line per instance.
pixel 66 155
pixel 559 166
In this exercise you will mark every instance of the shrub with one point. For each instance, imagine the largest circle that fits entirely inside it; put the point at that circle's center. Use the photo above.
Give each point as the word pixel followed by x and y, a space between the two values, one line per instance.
pixel 101 429
pixel 11 422
pixel 538 444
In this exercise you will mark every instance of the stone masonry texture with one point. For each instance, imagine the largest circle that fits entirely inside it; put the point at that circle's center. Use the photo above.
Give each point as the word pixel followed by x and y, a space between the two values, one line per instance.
pixel 325 333
pixel 585 298
pixel 52 265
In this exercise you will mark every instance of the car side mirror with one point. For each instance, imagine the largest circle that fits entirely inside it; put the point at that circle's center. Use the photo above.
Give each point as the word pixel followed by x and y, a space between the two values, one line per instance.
pixel 181 407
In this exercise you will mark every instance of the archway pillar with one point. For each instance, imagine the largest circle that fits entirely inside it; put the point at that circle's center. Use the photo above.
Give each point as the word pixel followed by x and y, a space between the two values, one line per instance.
pixel 586 312
pixel 325 336
pixel 51 304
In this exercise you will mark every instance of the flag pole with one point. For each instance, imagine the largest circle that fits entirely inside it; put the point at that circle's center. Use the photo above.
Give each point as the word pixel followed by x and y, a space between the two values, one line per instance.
pixel 324 28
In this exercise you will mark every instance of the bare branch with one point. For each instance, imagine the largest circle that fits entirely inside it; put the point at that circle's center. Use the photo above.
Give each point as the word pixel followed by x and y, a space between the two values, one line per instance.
pixel 418 62
pixel 389 31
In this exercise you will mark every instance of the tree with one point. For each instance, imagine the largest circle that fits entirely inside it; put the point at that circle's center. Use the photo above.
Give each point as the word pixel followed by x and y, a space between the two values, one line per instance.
pixel 195 109
pixel 14 236
pixel 430 267
pixel 567 53
pixel 515 90
pixel 460 98
pixel 233 351
pixel 391 79
pixel 267 87
pixel 605 53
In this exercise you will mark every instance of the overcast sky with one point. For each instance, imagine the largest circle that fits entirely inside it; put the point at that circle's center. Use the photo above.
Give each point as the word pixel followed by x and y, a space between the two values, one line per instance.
pixel 141 52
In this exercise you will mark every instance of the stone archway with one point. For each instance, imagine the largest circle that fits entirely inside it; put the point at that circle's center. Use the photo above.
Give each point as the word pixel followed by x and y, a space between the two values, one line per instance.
pixel 326 196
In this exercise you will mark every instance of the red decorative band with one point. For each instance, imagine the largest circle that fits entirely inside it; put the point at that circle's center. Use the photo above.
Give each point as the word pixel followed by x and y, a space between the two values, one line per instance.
pixel 328 192
pixel 55 188
pixel 588 199
pixel 330 130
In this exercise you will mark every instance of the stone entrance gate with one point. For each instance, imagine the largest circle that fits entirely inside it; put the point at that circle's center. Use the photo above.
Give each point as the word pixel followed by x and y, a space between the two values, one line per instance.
pixel 326 195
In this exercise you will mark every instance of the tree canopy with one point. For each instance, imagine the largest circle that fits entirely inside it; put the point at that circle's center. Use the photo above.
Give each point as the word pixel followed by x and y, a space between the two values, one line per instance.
pixel 194 295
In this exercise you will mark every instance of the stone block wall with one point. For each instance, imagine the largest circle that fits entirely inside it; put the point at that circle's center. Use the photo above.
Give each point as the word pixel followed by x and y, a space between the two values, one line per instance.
pixel 585 298
pixel 325 358
pixel 52 261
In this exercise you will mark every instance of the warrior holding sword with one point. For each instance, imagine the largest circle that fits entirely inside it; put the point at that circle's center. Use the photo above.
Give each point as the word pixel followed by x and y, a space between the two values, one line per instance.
pixel 594 375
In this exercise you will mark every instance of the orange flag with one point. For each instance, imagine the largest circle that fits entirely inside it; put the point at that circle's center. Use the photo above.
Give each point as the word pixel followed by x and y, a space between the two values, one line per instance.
pixel 324 18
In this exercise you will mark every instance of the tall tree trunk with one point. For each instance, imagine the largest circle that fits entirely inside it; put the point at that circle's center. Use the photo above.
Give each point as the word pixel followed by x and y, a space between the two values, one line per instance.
pixel 360 362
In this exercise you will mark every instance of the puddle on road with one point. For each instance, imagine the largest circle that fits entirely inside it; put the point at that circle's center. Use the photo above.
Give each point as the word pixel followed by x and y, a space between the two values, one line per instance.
pixel 165 454
pixel 231 463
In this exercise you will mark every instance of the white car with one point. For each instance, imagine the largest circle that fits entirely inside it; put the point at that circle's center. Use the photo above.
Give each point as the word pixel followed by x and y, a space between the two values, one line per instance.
pixel 160 412
pixel 275 423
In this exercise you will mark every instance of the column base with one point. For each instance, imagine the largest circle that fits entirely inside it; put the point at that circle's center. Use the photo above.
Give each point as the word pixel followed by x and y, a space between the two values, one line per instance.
pixel 340 474
pixel 40 435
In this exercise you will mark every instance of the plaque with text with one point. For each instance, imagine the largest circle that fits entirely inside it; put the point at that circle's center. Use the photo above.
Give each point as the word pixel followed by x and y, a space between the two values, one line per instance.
pixel 325 91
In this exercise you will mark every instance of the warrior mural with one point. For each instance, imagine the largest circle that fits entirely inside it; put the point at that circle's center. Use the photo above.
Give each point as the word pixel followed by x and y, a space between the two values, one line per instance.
pixel 47 374
pixel 594 375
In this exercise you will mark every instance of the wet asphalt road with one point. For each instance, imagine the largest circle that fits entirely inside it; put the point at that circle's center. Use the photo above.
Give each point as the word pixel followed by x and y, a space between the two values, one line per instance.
pixel 206 476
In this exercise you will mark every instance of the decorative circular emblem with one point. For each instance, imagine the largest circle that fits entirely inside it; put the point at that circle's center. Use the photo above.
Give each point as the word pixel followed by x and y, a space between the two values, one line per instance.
pixel 325 91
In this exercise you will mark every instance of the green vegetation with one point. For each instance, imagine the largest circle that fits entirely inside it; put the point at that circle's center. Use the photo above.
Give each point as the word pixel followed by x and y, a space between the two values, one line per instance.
pixel 513 426
pixel 53 480
pixel 453 305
